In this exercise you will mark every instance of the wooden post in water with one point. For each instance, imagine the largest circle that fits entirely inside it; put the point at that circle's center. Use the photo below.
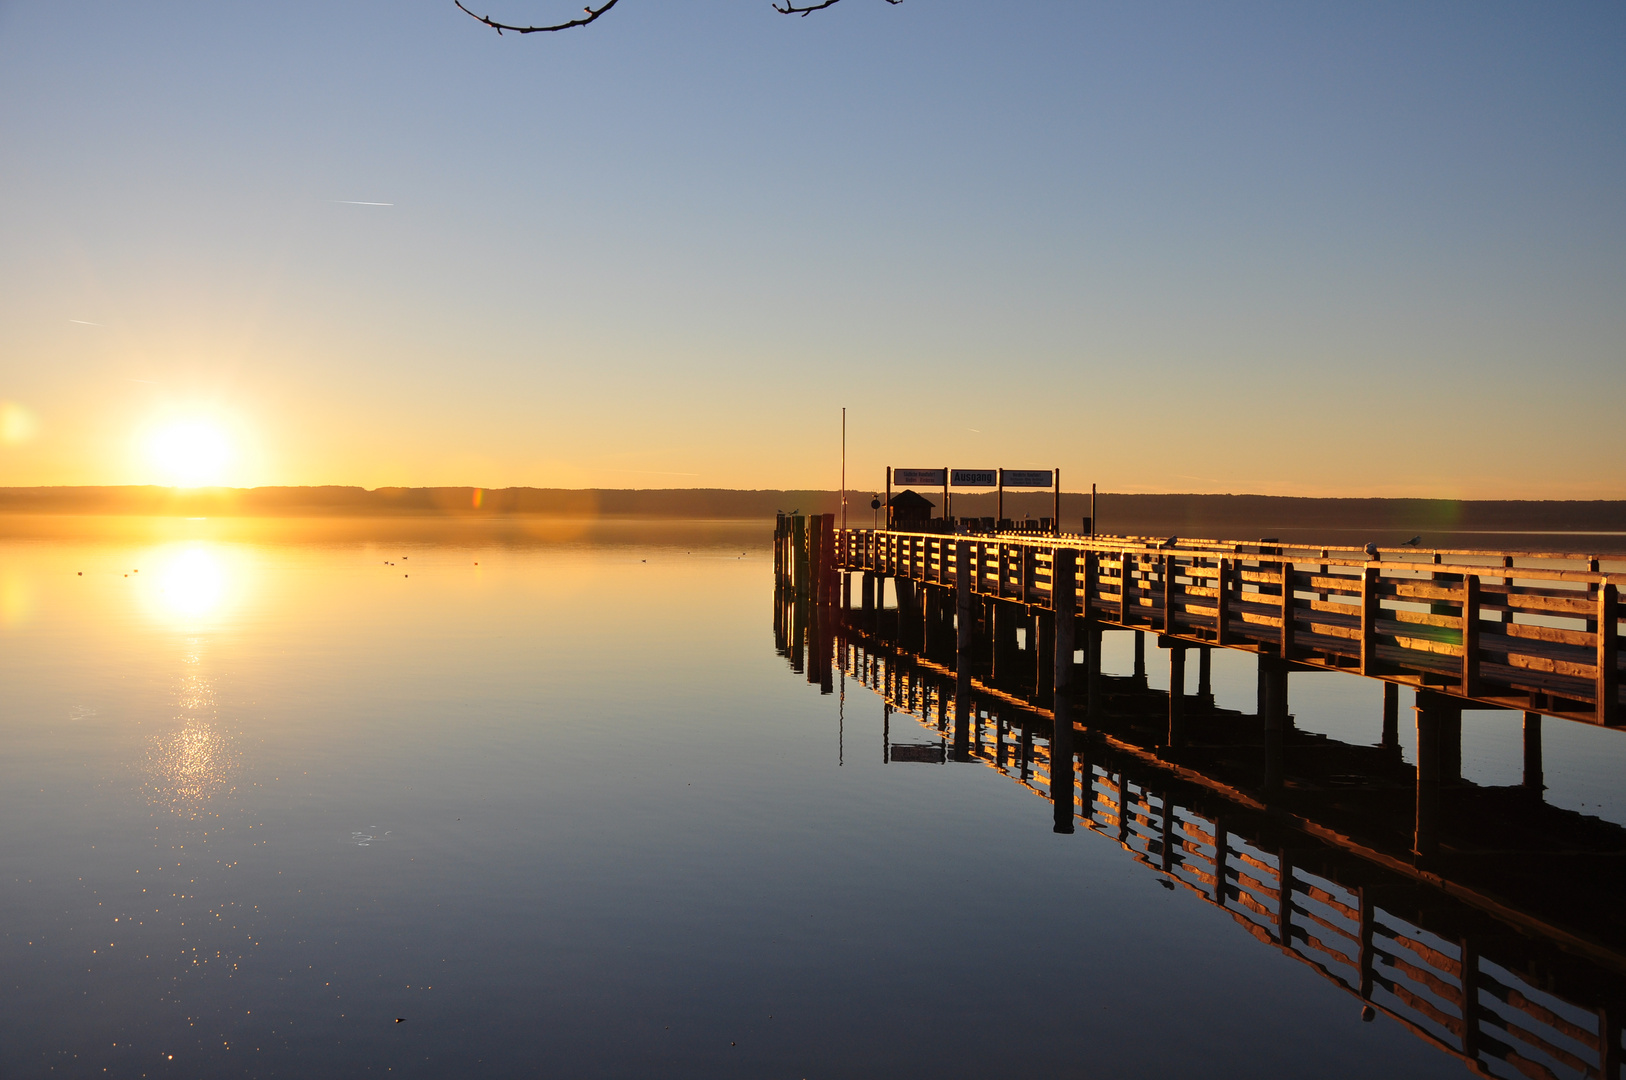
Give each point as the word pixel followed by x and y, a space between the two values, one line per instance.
pixel 1273 692
pixel 1391 718
pixel 1140 656
pixel 1064 601
pixel 965 625
pixel 1177 693
pixel 1533 781
pixel 1042 640
pixel 815 559
pixel 1608 658
pixel 827 558
pixel 1205 680
pixel 798 542
pixel 1432 710
pixel 1096 699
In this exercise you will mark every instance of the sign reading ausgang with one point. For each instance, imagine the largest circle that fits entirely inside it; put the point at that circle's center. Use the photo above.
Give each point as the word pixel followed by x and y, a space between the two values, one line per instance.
pixel 974 477
pixel 1026 477
pixel 923 477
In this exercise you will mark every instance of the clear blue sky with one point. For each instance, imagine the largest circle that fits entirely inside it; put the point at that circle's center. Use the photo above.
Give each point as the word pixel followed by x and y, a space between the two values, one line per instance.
pixel 1285 248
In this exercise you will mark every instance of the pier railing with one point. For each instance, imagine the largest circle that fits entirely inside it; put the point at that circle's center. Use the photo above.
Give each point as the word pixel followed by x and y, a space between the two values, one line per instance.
pixel 1523 630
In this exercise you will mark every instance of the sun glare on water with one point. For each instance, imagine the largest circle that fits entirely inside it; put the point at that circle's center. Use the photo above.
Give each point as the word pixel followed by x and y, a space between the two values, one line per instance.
pixel 190 453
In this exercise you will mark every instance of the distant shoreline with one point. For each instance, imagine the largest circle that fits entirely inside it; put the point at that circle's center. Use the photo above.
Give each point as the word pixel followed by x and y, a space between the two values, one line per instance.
pixel 1228 516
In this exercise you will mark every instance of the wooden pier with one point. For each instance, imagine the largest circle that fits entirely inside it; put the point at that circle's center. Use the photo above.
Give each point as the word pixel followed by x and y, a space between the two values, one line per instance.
pixel 1480 918
pixel 1534 631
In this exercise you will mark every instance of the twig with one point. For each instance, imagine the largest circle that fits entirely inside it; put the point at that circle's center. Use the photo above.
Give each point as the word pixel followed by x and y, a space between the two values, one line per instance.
pixel 791 9
pixel 591 16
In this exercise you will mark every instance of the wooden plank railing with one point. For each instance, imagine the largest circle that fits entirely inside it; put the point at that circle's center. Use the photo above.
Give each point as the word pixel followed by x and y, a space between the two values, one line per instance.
pixel 1525 630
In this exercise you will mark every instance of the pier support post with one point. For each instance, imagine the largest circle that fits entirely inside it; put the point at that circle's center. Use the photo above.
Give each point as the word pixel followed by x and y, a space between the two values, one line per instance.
pixel 1042 628
pixel 1095 702
pixel 1140 657
pixel 1273 707
pixel 1205 677
pixel 1533 781
pixel 1005 617
pixel 1063 602
pixel 866 589
pixel 963 642
pixel 1177 694
pixel 798 544
pixel 1435 716
pixel 1391 718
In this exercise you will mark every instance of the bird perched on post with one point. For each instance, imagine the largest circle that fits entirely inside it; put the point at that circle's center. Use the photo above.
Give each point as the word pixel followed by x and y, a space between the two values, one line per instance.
pixel 1170 542
pixel 1371 551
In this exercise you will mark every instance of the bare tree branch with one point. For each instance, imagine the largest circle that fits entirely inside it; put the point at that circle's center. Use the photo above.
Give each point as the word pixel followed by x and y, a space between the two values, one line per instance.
pixel 591 16
pixel 790 8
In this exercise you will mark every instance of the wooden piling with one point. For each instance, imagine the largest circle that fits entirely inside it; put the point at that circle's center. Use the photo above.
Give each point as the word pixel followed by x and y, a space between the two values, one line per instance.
pixel 798 542
pixel 815 559
pixel 1205 679
pixel 1533 780
pixel 965 626
pixel 1177 694
pixel 1064 601
pixel 1391 718
pixel 1608 654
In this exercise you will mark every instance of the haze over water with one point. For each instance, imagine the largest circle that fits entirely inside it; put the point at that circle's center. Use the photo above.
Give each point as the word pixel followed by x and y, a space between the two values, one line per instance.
pixel 548 803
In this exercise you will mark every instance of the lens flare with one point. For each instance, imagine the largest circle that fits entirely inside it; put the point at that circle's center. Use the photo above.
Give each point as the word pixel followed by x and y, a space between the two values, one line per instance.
pixel 17 424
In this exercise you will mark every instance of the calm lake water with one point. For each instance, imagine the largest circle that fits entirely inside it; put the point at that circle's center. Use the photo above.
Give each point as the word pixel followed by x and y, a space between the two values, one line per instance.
pixel 330 800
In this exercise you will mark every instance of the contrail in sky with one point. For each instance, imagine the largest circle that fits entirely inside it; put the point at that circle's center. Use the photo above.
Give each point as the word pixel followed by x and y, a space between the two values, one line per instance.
pixel 359 202
pixel 84 322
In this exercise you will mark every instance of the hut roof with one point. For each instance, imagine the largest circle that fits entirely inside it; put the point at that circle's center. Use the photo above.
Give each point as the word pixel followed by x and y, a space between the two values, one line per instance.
pixel 910 499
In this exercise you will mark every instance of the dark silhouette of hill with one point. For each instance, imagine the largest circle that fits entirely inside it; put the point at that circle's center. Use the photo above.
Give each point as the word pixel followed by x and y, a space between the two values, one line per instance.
pixel 1215 516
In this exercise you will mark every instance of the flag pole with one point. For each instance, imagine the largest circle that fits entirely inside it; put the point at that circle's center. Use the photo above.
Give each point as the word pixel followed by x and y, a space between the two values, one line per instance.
pixel 843 468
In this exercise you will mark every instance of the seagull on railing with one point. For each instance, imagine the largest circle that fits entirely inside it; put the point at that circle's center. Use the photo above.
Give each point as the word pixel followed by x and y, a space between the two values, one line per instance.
pixel 1170 542
pixel 1371 551
pixel 1414 541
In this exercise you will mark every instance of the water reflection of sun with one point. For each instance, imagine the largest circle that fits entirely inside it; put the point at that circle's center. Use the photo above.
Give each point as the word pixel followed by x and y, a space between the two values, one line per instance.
pixel 192 584
pixel 189 768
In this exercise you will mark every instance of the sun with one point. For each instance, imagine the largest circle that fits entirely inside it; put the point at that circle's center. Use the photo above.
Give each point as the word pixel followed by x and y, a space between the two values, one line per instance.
pixel 190 453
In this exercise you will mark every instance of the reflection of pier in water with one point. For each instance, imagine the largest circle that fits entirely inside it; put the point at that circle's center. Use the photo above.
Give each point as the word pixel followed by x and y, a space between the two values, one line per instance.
pixel 1481 918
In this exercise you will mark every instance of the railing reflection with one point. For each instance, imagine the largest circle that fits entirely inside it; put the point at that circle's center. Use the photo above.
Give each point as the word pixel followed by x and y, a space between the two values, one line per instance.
pixel 1503 947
